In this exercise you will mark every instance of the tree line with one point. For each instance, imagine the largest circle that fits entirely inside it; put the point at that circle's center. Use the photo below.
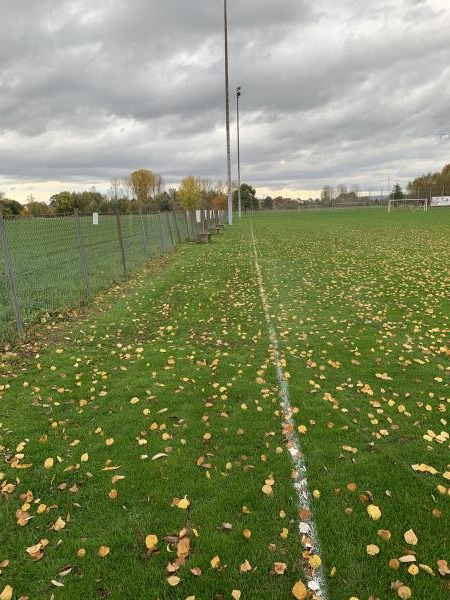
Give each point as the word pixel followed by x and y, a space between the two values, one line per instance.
pixel 431 184
pixel 425 186
pixel 142 190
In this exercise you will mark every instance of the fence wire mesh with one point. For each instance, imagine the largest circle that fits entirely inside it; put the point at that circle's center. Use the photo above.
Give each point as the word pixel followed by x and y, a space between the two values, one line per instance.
pixel 51 264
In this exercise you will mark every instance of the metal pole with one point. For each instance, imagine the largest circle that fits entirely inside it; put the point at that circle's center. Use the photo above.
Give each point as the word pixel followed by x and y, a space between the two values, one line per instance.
pixel 122 248
pixel 238 94
pixel 82 253
pixel 195 225
pixel 161 237
pixel 170 230
pixel 144 234
pixel 188 236
pixel 174 215
pixel 11 278
pixel 227 111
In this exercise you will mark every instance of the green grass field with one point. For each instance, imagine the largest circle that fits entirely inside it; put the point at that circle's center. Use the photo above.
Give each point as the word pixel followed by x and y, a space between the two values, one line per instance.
pixel 165 390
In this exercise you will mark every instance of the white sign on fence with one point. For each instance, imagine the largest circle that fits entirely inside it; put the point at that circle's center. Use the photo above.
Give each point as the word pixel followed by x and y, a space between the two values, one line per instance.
pixel 94 218
pixel 198 216
pixel 440 201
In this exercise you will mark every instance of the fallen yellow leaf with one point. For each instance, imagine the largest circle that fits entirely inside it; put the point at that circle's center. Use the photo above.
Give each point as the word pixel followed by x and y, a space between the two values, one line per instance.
pixel 245 567
pixel 410 537
pixel 427 569
pixel 384 534
pixel 315 561
pixel 404 592
pixel 59 524
pixel 279 568
pixel 7 593
pixel 299 591
pixel 374 512
pixel 151 541
pixel 443 567
pixel 407 558
pixel 184 503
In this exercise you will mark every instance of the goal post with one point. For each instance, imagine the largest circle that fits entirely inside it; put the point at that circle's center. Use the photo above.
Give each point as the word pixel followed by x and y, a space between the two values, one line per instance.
pixel 396 204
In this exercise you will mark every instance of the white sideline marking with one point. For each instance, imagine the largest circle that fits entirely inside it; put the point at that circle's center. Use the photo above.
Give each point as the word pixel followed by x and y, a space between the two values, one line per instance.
pixel 308 531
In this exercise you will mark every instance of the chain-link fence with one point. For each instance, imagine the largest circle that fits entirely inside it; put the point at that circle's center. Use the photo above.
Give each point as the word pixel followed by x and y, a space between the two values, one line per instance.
pixel 48 264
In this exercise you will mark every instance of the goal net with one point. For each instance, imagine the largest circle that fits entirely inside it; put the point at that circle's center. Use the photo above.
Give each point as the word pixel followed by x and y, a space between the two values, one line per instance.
pixel 396 204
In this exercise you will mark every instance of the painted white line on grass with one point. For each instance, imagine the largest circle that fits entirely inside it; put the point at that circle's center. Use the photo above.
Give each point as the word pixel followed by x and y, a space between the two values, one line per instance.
pixel 307 527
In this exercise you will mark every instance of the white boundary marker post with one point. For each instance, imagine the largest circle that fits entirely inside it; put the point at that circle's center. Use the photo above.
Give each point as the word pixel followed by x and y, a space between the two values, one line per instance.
pixel 307 529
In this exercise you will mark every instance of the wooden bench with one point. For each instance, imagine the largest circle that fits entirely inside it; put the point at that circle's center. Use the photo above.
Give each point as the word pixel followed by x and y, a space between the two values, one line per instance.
pixel 203 237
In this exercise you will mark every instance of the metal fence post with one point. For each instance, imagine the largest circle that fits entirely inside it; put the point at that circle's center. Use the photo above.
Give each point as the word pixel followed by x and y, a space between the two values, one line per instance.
pixel 195 224
pixel 82 250
pixel 203 218
pixel 122 248
pixel 144 234
pixel 11 278
pixel 188 235
pixel 161 237
pixel 174 215
pixel 170 230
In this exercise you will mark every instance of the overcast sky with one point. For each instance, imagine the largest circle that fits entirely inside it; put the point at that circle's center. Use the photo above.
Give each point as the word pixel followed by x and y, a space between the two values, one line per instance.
pixel 333 91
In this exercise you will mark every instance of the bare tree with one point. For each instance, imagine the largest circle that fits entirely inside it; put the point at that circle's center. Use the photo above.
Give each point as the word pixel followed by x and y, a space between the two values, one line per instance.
pixel 127 188
pixel 158 184
pixel 342 189
pixel 328 195
pixel 115 190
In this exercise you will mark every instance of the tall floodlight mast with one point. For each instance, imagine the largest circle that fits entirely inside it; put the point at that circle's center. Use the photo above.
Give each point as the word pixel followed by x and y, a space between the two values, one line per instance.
pixel 238 95
pixel 227 109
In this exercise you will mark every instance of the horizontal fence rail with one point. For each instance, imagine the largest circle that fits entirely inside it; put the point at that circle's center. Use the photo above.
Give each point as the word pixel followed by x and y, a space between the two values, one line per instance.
pixel 50 264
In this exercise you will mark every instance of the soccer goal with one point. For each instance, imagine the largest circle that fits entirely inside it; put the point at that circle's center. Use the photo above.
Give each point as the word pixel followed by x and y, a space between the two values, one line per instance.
pixel 396 204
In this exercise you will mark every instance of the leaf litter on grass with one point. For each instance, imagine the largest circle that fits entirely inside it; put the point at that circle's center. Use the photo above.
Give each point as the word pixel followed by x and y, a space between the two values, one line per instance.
pixel 363 319
pixel 109 464
pixel 168 393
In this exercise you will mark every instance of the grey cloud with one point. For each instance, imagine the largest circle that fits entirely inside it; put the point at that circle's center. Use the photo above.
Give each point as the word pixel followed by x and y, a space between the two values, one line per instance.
pixel 332 91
